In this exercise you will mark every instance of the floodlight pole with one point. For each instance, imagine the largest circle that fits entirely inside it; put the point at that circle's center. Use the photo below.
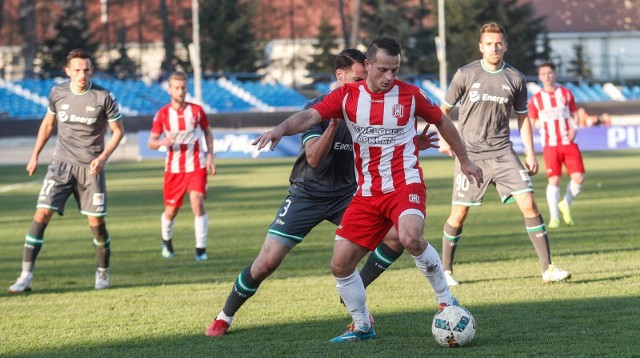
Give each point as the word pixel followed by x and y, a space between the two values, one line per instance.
pixel 442 45
pixel 194 52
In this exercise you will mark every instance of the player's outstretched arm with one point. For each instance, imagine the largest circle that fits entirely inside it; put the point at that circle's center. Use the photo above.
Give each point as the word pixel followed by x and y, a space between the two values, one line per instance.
pixel 296 123
pixel 449 132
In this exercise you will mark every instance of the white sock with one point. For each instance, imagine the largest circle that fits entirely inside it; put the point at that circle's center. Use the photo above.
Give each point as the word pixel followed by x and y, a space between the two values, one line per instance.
pixel 553 196
pixel 573 189
pixel 431 267
pixel 201 226
pixel 353 294
pixel 166 228
pixel 224 317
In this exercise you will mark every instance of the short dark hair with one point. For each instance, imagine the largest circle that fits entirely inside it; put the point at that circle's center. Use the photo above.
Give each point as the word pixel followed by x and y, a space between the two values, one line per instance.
pixel 547 64
pixel 347 57
pixel 387 43
pixel 78 53
pixel 494 28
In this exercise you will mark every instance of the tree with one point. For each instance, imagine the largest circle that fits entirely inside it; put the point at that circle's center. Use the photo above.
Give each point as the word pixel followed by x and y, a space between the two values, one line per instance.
pixel 226 39
pixel 465 17
pixel 322 61
pixel 71 32
pixel 388 17
pixel 27 25
pixel 579 67
pixel 123 67
pixel 167 39
pixel 404 21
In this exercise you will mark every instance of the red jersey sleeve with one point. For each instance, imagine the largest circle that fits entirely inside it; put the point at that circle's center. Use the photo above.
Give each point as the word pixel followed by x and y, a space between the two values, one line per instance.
pixel 331 104
pixel 158 122
pixel 426 109
pixel 204 121
pixel 572 101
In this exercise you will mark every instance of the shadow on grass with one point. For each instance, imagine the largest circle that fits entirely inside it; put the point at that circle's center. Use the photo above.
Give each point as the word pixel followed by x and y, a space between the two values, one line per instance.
pixel 544 328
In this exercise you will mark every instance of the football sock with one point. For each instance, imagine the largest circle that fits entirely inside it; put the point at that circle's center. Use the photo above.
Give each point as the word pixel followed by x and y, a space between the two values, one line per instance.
pixel 201 226
pixel 538 236
pixel 224 317
pixel 244 287
pixel 573 189
pixel 431 267
pixel 166 228
pixel 354 297
pixel 450 239
pixel 553 196
pixel 32 245
pixel 377 262
pixel 102 243
pixel 200 251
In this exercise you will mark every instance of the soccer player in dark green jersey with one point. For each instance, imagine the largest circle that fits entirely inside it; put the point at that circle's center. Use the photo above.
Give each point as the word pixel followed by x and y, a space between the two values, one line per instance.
pixel 487 90
pixel 82 111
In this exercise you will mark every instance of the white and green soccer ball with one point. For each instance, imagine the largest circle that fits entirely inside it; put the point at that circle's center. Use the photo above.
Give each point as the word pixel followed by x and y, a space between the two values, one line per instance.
pixel 454 327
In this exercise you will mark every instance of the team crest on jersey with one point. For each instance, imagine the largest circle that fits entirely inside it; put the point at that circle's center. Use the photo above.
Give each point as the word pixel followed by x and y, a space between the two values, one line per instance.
pixel 414 198
pixel 397 111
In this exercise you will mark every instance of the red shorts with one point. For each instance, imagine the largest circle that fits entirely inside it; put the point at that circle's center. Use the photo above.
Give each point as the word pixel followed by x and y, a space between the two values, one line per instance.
pixel 368 218
pixel 177 184
pixel 569 155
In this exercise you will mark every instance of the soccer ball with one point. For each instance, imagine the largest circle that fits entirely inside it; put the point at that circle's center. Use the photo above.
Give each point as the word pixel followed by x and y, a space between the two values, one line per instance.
pixel 454 327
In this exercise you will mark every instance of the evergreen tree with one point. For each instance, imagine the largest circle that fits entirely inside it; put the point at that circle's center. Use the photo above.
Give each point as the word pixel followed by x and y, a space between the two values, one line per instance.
pixel 465 17
pixel 27 24
pixel 323 59
pixel 226 39
pixel 402 19
pixel 123 67
pixel 388 17
pixel 579 67
pixel 71 32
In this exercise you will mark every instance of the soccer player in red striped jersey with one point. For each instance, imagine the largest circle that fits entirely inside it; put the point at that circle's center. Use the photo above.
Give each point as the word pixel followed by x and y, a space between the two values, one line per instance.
pixel 554 109
pixel 189 144
pixel 381 114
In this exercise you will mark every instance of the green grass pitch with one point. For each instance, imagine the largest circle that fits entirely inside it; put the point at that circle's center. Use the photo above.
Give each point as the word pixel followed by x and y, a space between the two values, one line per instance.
pixel 158 307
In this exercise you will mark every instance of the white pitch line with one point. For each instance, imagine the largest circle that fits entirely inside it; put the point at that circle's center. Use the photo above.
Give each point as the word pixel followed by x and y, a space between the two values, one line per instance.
pixel 11 187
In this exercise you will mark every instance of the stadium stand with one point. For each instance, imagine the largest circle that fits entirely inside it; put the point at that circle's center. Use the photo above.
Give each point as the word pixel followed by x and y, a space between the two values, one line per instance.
pixel 27 99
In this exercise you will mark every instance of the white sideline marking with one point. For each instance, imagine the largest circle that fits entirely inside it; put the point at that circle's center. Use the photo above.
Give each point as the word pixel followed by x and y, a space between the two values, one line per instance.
pixel 11 187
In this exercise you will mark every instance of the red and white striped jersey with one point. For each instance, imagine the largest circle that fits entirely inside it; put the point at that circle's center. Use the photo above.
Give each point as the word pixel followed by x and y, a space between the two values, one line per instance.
pixel 383 128
pixel 188 152
pixel 553 109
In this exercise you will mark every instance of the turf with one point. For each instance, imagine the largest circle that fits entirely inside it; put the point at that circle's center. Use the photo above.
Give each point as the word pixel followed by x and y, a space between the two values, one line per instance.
pixel 160 307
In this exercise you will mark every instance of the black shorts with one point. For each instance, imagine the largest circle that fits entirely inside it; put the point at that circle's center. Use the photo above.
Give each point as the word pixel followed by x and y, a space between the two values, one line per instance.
pixel 298 215
pixel 64 179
